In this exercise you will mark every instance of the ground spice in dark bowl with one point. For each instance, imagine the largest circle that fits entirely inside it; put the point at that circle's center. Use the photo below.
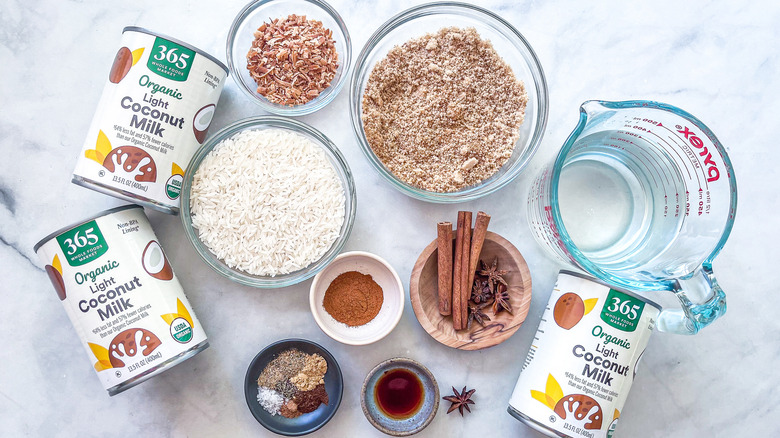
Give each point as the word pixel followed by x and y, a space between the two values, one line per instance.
pixel 274 406
pixel 293 384
pixel 353 298
pixel 309 401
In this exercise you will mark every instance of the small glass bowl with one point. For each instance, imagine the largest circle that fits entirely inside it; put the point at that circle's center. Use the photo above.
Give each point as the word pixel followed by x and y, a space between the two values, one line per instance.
pixel 335 158
pixel 241 36
pixel 509 44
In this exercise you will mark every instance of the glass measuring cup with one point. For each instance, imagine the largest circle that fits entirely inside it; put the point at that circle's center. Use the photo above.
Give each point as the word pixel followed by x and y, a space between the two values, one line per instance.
pixel 643 196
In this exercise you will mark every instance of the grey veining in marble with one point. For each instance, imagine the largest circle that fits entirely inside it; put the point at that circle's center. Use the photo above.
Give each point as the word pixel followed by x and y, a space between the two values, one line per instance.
pixel 717 59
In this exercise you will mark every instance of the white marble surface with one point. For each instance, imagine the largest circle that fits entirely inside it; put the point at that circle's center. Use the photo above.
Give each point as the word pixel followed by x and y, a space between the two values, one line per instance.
pixel 716 59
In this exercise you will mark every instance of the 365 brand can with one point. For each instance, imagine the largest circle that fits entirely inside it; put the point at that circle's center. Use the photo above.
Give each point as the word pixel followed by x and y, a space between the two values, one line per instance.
pixel 121 296
pixel 155 110
pixel 583 359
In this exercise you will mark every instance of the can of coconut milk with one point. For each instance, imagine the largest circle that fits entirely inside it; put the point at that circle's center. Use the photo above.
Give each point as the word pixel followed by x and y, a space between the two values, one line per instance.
pixel 155 111
pixel 121 296
pixel 583 359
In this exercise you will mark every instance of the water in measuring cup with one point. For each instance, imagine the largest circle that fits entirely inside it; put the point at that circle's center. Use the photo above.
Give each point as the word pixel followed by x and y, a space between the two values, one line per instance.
pixel 615 194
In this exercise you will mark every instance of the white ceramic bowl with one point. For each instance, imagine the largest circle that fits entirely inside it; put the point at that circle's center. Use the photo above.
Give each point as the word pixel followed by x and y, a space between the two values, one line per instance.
pixel 383 274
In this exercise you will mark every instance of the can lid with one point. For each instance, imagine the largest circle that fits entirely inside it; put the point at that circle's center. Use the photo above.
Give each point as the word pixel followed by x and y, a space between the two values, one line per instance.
pixel 123 195
pixel 74 225
pixel 180 42
pixel 604 283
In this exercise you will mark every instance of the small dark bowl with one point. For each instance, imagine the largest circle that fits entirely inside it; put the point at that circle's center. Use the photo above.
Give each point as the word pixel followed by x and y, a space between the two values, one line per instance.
pixel 306 423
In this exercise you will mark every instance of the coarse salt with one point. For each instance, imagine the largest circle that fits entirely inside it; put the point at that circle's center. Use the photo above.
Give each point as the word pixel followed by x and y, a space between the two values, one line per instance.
pixel 270 400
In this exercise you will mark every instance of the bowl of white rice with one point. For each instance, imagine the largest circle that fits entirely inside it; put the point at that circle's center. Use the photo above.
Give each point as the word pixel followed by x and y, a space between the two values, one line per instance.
pixel 268 201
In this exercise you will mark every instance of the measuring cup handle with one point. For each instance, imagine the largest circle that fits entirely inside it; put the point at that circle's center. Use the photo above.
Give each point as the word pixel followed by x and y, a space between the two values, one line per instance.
pixel 702 299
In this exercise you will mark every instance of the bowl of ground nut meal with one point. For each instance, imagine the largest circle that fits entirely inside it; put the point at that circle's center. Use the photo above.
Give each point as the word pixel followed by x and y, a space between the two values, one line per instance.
pixel 291 57
pixel 448 102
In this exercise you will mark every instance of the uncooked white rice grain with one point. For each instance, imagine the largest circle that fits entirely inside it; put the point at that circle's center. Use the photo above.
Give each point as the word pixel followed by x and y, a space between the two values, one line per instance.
pixel 267 202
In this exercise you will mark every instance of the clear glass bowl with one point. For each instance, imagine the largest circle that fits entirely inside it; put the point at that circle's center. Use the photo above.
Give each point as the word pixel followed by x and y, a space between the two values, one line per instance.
pixel 335 158
pixel 241 36
pixel 509 44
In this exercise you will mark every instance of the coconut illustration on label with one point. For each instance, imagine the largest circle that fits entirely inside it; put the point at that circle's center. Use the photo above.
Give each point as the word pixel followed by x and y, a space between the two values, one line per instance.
pixel 134 161
pixel 202 121
pixel 578 409
pixel 123 61
pixel 155 263
pixel 128 343
pixel 55 275
pixel 570 308
pixel 583 408
pixel 129 162
pixel 636 364
pixel 125 345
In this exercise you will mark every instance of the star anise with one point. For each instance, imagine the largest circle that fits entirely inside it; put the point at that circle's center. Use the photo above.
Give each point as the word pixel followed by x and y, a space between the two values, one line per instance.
pixel 460 400
pixel 481 291
pixel 475 313
pixel 493 274
pixel 501 301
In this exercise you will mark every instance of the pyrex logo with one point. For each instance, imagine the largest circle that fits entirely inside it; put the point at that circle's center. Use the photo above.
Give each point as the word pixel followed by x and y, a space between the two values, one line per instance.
pixel 712 168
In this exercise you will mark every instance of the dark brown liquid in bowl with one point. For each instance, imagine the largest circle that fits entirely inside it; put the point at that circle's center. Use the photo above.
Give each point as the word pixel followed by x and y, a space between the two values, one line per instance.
pixel 399 393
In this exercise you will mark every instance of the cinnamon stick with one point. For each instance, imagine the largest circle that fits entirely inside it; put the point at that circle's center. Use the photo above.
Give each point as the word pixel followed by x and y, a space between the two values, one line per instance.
pixel 465 288
pixel 457 268
pixel 444 243
pixel 477 240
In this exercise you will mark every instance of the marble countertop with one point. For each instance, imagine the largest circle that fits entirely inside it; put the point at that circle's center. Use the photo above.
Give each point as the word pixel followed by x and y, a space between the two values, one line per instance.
pixel 716 59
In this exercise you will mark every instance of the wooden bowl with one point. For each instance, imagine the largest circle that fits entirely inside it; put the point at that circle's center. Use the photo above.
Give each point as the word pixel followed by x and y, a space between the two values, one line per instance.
pixel 423 292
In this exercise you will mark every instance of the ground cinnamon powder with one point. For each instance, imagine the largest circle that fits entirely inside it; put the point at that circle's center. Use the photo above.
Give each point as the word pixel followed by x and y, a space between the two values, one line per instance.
pixel 309 401
pixel 353 298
